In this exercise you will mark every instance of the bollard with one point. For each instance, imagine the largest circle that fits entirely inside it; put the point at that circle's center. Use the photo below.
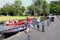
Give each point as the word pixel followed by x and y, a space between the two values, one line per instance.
pixel 28 37
pixel 42 27
pixel 48 22
pixel 1 35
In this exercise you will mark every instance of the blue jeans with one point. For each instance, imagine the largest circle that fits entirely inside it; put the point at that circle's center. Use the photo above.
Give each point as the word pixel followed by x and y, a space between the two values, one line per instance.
pixel 38 24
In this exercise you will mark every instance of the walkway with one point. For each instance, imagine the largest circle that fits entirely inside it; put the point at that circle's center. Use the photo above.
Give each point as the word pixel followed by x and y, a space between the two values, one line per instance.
pixel 53 32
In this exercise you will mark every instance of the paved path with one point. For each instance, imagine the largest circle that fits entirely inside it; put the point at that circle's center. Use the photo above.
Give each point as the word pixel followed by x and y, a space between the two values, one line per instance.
pixel 51 33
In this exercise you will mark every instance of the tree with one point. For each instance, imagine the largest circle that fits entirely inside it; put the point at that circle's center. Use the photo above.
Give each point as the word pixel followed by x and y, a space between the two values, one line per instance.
pixel 0 11
pixel 31 7
pixel 22 9
pixel 55 7
pixel 6 9
pixel 45 7
pixel 13 9
pixel 38 6
pixel 18 8
pixel 17 5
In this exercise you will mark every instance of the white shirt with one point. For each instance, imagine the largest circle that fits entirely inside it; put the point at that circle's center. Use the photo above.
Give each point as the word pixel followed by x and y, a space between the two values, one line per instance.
pixel 38 19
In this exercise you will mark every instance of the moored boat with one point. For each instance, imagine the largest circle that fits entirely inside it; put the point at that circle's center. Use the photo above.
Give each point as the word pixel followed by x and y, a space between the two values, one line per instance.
pixel 20 22
pixel 9 32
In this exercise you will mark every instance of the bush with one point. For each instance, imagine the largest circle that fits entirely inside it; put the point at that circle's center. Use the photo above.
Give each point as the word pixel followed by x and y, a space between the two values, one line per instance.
pixel 43 18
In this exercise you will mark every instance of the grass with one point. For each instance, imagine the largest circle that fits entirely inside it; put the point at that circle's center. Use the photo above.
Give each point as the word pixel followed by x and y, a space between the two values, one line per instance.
pixel 5 18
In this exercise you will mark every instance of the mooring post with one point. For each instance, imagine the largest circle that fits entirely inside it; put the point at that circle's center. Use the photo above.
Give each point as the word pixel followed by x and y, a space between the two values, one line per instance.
pixel 28 37
pixel 48 22
pixel 1 35
pixel 42 27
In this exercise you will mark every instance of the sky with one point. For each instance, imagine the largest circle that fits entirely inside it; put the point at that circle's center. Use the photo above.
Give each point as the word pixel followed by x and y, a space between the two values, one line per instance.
pixel 24 2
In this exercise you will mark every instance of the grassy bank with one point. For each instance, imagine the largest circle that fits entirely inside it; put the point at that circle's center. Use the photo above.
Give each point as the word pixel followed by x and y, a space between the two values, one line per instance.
pixel 5 18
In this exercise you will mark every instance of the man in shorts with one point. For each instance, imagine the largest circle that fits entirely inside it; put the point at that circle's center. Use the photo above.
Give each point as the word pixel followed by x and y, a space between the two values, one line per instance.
pixel 28 25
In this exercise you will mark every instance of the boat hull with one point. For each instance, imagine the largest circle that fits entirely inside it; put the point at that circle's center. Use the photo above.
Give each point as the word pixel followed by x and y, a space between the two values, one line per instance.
pixel 13 31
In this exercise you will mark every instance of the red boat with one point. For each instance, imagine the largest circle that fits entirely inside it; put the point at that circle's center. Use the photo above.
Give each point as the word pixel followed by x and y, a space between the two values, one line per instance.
pixel 20 22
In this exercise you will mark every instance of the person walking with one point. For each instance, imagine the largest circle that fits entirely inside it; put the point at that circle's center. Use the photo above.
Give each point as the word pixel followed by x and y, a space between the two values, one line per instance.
pixel 38 22
pixel 48 20
pixel 26 25
pixel 29 23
